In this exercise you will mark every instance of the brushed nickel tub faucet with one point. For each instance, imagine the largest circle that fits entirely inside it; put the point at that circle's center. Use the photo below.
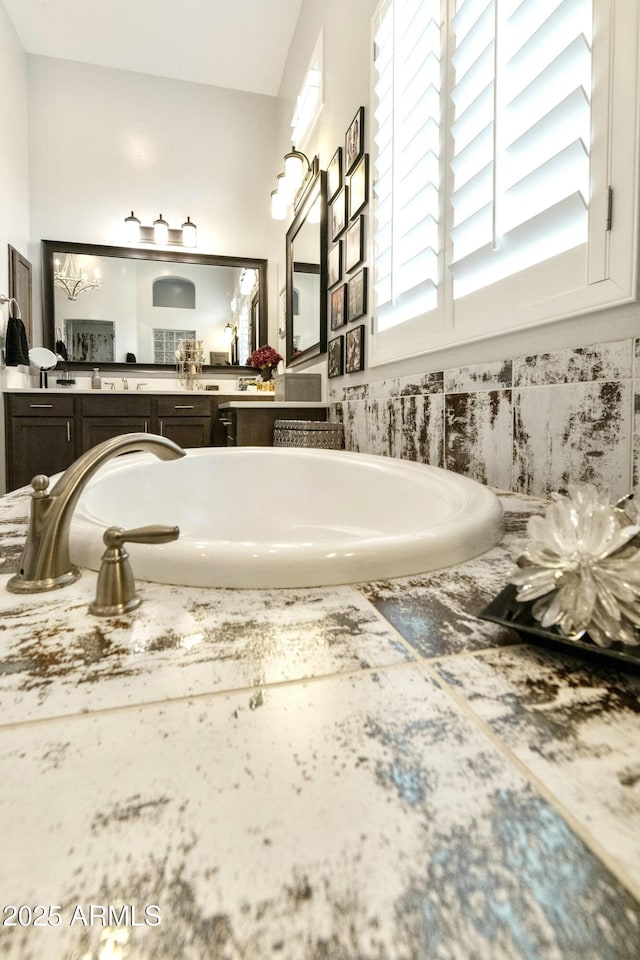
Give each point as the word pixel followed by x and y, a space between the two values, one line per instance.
pixel 46 562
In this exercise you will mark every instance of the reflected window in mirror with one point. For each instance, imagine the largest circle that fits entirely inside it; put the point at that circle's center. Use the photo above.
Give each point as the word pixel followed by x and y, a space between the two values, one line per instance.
pixel 144 304
pixel 165 344
pixel 306 288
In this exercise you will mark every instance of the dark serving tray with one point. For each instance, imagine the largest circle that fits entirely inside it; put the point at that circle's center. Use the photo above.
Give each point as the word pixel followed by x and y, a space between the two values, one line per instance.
pixel 507 611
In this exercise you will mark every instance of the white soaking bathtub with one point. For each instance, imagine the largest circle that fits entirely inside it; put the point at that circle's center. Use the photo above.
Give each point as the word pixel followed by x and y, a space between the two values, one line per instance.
pixel 284 517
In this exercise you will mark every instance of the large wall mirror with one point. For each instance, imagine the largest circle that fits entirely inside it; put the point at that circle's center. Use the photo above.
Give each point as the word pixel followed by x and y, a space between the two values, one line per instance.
pixel 147 301
pixel 306 289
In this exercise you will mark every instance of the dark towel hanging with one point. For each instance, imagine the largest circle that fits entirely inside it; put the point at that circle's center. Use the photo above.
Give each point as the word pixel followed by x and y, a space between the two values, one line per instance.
pixel 61 347
pixel 16 346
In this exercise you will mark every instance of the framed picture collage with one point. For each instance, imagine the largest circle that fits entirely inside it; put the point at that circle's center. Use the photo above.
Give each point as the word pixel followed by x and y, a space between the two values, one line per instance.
pixel 347 199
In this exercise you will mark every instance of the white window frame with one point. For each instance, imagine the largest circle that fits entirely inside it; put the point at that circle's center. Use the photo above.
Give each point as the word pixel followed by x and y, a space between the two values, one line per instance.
pixel 588 278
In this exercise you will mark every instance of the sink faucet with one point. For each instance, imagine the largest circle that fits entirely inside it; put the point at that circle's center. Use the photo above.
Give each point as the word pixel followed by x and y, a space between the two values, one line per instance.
pixel 46 562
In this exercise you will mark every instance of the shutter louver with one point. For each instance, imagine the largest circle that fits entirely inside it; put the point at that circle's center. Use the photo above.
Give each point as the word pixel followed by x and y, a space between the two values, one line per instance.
pixel 407 160
pixel 521 146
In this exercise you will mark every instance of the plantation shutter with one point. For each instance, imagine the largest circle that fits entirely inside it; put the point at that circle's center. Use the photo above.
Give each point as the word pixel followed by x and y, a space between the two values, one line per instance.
pixel 406 159
pixel 521 134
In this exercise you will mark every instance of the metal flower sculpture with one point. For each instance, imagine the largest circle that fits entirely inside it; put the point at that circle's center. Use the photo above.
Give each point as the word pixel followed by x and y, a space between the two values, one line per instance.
pixel 581 566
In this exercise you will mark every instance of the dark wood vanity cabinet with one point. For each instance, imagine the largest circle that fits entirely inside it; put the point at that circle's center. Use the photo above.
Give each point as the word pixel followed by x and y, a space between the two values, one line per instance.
pixel 253 426
pixel 46 432
pixel 40 436
pixel 187 421
pixel 103 416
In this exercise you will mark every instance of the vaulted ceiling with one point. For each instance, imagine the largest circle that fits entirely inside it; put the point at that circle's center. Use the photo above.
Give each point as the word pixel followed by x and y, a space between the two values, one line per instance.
pixel 239 44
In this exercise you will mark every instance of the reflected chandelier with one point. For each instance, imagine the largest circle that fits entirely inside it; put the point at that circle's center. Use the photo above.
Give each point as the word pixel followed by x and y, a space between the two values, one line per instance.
pixel 73 279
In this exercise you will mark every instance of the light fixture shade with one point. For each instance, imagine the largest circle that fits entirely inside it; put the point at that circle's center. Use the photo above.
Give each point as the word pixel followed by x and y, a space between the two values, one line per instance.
pixel 285 191
pixel 296 166
pixel 160 230
pixel 132 228
pixel 189 233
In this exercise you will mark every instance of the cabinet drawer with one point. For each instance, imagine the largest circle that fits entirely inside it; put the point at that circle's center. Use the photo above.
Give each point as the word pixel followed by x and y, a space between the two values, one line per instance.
pixel 116 405
pixel 41 405
pixel 184 406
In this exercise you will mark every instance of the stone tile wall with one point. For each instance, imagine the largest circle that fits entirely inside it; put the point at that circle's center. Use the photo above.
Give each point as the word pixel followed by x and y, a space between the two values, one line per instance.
pixel 530 425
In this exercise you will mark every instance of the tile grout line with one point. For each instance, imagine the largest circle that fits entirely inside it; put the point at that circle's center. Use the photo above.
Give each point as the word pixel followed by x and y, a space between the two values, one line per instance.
pixel 415 658
pixel 218 694
pixel 419 658
pixel 609 861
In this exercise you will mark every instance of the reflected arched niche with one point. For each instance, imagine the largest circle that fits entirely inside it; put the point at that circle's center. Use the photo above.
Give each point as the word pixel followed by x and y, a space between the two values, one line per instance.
pixel 174 292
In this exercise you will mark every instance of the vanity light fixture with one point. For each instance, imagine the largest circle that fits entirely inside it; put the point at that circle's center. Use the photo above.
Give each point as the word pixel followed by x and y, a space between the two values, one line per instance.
pixel 189 233
pixel 160 230
pixel 278 207
pixel 160 233
pixel 73 279
pixel 132 228
pixel 297 170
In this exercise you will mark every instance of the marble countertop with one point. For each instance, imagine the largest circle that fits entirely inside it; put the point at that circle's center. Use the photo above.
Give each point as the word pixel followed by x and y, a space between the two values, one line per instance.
pixel 365 772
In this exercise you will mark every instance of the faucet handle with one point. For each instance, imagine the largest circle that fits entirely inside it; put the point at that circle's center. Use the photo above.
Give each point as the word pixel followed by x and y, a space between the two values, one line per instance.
pixel 116 589
pixel 156 533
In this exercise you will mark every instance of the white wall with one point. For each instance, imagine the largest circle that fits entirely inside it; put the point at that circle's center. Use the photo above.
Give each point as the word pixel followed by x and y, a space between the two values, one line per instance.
pixel 103 142
pixel 14 177
pixel 346 37
pixel 347 45
pixel 14 155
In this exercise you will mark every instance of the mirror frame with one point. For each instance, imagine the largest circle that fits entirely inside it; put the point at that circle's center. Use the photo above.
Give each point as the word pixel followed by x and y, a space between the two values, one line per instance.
pixel 317 187
pixel 49 247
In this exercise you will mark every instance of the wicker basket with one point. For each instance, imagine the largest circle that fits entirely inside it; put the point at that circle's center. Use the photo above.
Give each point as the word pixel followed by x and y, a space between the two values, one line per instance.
pixel 326 435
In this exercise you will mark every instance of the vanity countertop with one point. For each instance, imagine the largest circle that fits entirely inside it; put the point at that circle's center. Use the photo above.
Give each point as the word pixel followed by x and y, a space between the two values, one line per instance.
pixel 284 404
pixel 148 389
pixel 365 771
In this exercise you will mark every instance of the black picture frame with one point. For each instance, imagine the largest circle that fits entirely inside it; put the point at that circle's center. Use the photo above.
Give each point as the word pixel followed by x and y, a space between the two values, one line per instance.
pixel 334 264
pixel 338 214
pixel 335 357
pixel 21 288
pixel 354 349
pixel 359 186
pixel 354 141
pixel 354 245
pixel 357 299
pixel 338 307
pixel 334 174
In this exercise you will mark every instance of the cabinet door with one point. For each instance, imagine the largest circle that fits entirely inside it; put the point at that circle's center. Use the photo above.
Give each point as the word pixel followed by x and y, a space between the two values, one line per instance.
pixel 185 420
pixel 97 429
pixel 186 431
pixel 39 445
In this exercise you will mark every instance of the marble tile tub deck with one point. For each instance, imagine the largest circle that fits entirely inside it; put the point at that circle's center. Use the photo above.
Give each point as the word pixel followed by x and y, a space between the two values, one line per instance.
pixel 366 772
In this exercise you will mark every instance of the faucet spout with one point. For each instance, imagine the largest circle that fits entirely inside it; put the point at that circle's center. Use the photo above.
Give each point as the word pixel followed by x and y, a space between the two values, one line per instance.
pixel 46 562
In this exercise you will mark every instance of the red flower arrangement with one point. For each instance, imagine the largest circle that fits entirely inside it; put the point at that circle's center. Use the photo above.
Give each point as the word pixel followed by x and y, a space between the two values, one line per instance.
pixel 264 358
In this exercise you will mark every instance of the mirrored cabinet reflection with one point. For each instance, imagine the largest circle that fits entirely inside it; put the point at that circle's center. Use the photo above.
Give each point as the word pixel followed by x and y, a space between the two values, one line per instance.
pixel 306 276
